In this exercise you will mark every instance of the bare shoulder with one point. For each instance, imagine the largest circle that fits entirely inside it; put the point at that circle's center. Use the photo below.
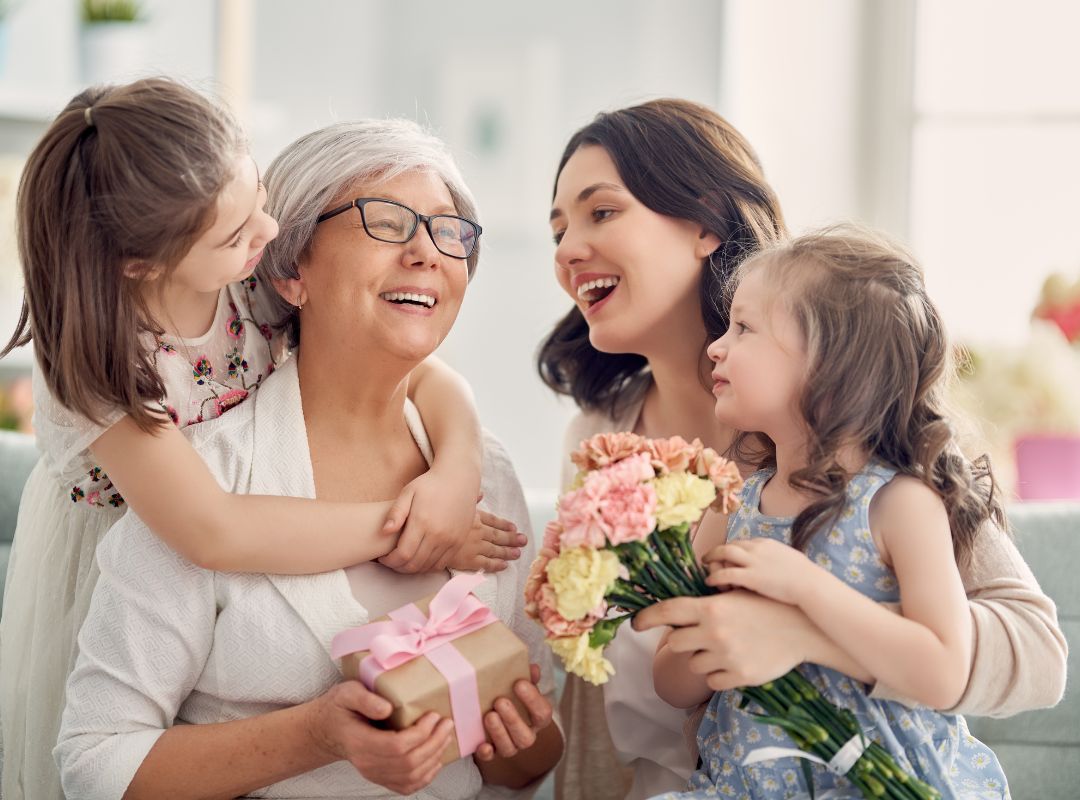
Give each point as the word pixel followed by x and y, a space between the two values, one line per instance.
pixel 906 509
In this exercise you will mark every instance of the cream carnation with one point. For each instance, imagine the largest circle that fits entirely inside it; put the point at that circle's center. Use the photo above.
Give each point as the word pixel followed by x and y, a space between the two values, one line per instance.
pixel 581 577
pixel 681 497
pixel 582 660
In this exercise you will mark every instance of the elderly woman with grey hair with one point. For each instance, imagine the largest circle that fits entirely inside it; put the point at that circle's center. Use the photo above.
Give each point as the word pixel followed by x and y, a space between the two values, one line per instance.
pixel 378 242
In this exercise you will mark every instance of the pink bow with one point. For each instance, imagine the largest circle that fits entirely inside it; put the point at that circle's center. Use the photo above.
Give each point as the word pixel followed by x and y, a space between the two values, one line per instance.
pixel 452 613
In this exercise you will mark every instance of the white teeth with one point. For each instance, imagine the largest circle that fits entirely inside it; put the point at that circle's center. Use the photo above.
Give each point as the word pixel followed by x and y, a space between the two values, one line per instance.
pixel 599 283
pixel 399 297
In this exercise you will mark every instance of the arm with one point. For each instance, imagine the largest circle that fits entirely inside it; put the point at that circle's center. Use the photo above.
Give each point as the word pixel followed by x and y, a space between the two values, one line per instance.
pixel 163 479
pixel 924 651
pixel 440 505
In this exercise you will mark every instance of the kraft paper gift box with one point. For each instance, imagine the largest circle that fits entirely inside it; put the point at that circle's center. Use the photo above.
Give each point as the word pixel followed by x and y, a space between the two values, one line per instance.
pixel 446 653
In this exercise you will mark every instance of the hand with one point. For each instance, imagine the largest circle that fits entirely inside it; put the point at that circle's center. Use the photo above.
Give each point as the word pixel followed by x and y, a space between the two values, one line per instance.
pixel 402 761
pixel 490 543
pixel 737 638
pixel 766 566
pixel 436 510
pixel 508 731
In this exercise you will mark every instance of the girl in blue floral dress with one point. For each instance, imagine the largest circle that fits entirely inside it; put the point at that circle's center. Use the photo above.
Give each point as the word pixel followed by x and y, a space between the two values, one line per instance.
pixel 837 358
pixel 140 224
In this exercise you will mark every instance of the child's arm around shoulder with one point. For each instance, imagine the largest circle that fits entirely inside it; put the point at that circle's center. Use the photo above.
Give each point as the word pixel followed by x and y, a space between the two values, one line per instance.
pixel 442 525
pixel 675 684
pixel 163 478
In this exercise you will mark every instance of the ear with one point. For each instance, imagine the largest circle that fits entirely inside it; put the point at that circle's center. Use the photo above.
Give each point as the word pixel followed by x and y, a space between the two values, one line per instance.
pixel 143 270
pixel 707 244
pixel 292 290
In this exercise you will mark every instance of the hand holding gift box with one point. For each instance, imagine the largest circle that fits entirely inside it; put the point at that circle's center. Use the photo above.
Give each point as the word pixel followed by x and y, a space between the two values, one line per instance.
pixel 446 653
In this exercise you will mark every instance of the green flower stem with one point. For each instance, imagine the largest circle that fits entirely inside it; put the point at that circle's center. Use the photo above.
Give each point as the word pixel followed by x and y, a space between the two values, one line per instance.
pixel 671 553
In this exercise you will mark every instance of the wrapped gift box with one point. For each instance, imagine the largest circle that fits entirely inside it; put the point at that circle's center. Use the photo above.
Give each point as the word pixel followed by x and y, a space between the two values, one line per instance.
pixel 446 653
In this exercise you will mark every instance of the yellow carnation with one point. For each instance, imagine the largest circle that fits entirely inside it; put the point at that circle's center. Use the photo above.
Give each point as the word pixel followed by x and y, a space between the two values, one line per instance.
pixel 582 660
pixel 681 497
pixel 581 577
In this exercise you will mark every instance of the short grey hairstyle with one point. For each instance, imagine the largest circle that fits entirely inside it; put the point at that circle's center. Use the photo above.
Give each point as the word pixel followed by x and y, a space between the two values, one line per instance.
pixel 317 168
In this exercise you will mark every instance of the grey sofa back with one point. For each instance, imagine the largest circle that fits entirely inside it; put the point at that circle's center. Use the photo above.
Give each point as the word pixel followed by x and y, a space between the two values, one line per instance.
pixel 1040 750
pixel 17 457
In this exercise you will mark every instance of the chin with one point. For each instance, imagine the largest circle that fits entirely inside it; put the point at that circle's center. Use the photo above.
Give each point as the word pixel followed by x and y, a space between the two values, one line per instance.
pixel 610 342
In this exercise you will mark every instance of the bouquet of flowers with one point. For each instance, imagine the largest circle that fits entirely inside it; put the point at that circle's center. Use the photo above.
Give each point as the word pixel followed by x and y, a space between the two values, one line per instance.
pixel 621 542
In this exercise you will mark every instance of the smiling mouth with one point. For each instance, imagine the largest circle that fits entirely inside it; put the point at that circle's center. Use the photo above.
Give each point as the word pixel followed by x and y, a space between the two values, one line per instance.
pixel 593 292
pixel 409 298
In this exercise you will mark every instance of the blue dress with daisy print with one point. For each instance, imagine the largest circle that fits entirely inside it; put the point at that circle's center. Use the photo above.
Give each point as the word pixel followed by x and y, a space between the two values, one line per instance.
pixel 936 747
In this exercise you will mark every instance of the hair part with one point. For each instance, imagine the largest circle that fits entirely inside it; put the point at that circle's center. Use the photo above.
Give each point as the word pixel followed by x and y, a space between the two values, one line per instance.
pixel 125 175
pixel 318 168
pixel 878 366
pixel 683 160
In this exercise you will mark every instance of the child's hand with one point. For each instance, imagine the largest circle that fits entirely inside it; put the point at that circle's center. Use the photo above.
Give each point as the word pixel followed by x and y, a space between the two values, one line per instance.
pixel 766 566
pixel 437 510
pixel 489 544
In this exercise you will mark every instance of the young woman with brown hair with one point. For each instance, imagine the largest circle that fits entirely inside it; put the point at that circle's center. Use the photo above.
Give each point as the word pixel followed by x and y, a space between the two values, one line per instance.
pixel 140 223
pixel 654 207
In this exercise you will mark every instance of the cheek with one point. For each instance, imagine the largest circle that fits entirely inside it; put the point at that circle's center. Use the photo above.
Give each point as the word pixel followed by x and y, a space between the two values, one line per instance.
pixel 563 277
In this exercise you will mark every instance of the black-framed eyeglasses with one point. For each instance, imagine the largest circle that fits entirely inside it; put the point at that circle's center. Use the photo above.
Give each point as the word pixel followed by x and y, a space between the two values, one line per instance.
pixel 393 222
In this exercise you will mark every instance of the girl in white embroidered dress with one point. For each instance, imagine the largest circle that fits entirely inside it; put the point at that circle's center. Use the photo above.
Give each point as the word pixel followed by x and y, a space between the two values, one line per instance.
pixel 141 222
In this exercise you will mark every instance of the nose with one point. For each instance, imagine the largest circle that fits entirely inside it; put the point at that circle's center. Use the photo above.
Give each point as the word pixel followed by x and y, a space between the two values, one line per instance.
pixel 420 251
pixel 571 250
pixel 717 351
pixel 268 229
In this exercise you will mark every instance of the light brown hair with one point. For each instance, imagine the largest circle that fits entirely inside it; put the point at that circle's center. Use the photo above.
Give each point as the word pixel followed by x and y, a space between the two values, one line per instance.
pixel 126 177
pixel 878 364
pixel 683 160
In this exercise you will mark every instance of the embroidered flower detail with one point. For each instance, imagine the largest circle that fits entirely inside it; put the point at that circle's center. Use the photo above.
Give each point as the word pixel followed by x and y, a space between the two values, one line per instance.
pixel 202 370
pixel 165 347
pixel 173 414
pixel 95 474
pixel 250 283
pixel 264 329
pixel 115 500
pixel 234 326
pixel 237 363
pixel 77 494
pixel 229 400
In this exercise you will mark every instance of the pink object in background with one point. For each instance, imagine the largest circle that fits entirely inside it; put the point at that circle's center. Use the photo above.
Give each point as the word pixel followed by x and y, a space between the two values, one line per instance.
pixel 1048 467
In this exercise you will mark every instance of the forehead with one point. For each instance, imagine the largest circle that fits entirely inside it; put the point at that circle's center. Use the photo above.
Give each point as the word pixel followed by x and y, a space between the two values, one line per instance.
pixel 421 188
pixel 236 195
pixel 588 165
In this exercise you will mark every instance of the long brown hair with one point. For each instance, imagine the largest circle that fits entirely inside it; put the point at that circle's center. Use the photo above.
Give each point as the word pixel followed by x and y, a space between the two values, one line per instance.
pixel 683 160
pixel 125 176
pixel 878 364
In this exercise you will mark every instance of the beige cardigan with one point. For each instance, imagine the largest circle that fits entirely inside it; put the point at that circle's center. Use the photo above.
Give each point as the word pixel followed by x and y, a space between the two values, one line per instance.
pixel 1018 658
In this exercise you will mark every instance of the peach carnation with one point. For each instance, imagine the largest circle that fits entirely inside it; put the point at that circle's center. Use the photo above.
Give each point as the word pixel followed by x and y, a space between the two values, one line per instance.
pixel 630 512
pixel 673 454
pixel 606 448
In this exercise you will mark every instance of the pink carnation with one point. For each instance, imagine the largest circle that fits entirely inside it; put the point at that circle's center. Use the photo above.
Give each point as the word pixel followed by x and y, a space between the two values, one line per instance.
pixel 606 448
pixel 725 477
pixel 552 536
pixel 579 515
pixel 630 512
pixel 674 454
pixel 628 472
pixel 537 579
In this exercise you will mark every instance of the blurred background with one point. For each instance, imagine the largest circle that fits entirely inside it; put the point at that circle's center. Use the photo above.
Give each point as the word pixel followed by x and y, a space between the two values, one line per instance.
pixel 952 124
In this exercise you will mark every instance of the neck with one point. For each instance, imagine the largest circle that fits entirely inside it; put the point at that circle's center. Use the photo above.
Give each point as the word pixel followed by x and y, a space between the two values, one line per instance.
pixel 791 456
pixel 677 403
pixel 181 312
pixel 364 400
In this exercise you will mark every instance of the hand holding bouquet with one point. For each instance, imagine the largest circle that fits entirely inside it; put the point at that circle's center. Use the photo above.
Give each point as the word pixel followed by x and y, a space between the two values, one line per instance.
pixel 621 542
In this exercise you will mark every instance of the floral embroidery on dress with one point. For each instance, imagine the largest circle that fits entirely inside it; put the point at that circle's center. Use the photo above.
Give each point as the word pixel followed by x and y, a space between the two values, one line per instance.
pixel 100 497
pixel 202 370
pixel 234 326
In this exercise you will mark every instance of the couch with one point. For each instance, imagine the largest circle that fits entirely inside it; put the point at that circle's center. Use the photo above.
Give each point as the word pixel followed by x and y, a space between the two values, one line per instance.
pixel 1037 749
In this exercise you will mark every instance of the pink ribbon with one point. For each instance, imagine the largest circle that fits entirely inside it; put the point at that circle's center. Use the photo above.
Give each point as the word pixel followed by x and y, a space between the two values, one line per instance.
pixel 454 612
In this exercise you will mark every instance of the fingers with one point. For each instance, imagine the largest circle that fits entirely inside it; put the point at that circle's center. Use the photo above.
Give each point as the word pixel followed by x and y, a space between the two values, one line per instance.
pixel 494 521
pixel 399 511
pixel 732 576
pixel 485 564
pixel 534 673
pixel 509 733
pixel 356 697
pixel 675 612
pixel 536 704
pixel 489 550
pixel 736 553
pixel 504 537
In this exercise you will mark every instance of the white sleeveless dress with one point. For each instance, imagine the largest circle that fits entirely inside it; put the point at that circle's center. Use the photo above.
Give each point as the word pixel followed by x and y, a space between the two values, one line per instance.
pixel 68 504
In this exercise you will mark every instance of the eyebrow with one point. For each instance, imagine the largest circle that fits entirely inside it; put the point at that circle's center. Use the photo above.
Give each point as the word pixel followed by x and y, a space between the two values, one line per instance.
pixel 588 192
pixel 247 219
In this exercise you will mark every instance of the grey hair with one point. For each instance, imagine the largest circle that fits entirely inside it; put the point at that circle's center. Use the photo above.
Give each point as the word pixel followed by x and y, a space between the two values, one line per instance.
pixel 317 168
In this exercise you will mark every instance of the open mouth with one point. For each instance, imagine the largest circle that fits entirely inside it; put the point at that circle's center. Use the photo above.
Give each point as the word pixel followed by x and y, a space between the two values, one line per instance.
pixel 409 298
pixel 595 291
